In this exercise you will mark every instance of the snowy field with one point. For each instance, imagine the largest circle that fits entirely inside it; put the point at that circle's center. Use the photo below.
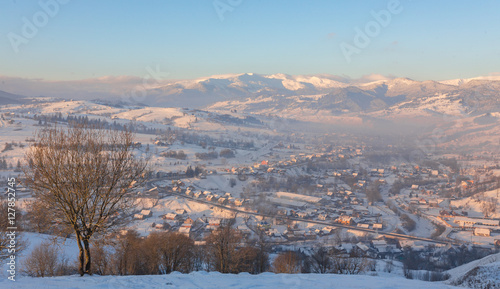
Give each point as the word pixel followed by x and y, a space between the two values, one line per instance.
pixel 217 280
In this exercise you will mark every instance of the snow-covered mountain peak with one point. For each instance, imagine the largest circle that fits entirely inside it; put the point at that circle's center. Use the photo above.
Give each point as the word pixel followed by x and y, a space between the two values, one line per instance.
pixel 399 82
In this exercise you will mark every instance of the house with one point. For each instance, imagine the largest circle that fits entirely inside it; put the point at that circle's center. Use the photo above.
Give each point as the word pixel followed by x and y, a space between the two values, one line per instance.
pixel 274 233
pixel 345 220
pixel 189 221
pixel 198 223
pixel 362 247
pixel 470 222
pixel 139 216
pixel 414 245
pixel 239 202
pixel 484 232
pixel 310 236
pixel 180 211
pixel 146 213
pixel 170 216
pixel 214 221
pixel 185 231
pixel 377 226
pixel 464 222
pixel 303 214
pixel 328 230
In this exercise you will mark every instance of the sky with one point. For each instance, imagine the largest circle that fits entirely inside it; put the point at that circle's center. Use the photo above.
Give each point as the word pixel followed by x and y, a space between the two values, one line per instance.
pixel 58 40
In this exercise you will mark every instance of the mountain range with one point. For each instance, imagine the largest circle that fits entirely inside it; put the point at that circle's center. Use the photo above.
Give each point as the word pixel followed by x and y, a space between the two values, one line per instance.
pixel 321 98
pixel 328 95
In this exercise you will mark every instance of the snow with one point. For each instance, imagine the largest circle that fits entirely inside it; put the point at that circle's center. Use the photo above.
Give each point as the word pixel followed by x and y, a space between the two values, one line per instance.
pixel 217 280
pixel 398 82
pixel 488 262
pixel 460 81
pixel 157 114
pixel 441 103
pixel 66 248
pixel 475 204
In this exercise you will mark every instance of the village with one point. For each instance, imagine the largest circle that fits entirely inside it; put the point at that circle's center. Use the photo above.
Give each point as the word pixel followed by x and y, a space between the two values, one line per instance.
pixel 338 199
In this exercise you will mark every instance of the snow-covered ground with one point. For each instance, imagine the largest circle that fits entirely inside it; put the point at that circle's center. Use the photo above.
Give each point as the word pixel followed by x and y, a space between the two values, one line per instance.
pixel 482 273
pixel 217 280
pixel 475 204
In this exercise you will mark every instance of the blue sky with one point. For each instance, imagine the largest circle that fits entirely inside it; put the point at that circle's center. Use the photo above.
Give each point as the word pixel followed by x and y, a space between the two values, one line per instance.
pixel 187 39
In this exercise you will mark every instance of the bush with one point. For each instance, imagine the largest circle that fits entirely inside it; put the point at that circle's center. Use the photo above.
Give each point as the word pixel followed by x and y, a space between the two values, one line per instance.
pixel 207 156
pixel 101 259
pixel 226 153
pixel 287 262
pixel 159 253
pixel 408 223
pixel 439 230
pixel 350 265
pixel 180 155
pixel 45 261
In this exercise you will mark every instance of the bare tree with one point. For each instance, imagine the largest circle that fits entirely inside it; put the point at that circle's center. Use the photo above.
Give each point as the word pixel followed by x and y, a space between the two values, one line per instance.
pixel 349 265
pixel 175 251
pixel 222 243
pixel 489 206
pixel 83 175
pixel 287 262
pixel 320 260
pixel 262 258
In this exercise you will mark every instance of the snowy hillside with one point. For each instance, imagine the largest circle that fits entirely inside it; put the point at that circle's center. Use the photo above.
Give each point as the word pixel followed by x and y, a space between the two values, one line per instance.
pixel 483 273
pixel 477 203
pixel 217 280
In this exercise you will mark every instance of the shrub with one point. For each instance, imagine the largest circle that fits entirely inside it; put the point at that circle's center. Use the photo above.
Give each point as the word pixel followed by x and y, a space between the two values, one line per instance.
pixel 45 261
pixel 408 223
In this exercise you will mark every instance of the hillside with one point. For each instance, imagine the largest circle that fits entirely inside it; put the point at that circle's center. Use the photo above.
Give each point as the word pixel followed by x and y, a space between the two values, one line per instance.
pixel 481 273
pixel 480 202
pixel 217 280
pixel 9 98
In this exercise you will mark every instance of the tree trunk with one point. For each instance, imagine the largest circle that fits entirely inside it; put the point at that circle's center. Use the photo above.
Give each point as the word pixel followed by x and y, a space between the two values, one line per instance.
pixel 87 256
pixel 81 256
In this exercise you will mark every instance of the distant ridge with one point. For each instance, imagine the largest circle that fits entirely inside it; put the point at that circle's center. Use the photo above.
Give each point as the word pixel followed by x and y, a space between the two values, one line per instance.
pixel 9 98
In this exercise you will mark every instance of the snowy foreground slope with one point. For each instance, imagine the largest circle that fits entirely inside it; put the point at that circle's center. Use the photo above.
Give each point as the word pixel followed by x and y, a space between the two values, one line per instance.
pixel 482 273
pixel 217 280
